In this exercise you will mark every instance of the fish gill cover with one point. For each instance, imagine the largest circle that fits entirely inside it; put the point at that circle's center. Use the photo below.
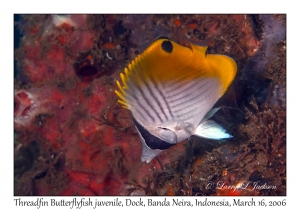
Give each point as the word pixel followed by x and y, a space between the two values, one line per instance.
pixel 71 137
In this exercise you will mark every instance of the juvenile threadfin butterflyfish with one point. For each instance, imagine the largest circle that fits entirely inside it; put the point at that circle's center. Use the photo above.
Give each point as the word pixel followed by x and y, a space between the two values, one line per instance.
pixel 170 90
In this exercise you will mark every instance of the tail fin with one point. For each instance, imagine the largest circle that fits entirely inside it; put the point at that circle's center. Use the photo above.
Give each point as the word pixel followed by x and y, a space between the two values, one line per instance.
pixel 210 129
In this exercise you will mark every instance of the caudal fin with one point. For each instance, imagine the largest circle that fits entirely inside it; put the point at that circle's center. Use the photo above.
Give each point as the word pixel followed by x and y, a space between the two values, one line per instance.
pixel 211 130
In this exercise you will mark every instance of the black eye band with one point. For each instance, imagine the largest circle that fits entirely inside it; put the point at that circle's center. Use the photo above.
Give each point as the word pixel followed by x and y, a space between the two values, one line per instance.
pixel 152 141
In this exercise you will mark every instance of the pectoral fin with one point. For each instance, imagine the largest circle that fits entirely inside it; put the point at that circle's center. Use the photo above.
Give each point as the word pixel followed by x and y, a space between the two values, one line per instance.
pixel 210 114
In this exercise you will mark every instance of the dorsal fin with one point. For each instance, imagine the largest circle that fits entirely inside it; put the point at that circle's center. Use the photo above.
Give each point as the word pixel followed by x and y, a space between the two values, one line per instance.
pixel 160 37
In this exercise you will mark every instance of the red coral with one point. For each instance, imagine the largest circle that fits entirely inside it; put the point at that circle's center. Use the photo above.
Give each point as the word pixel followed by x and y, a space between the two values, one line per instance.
pixel 82 40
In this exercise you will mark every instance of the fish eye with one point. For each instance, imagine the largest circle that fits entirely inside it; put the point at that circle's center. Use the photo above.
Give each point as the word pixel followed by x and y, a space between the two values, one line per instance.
pixel 167 46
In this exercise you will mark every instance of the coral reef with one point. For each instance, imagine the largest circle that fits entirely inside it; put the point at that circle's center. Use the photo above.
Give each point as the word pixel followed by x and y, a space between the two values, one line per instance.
pixel 71 136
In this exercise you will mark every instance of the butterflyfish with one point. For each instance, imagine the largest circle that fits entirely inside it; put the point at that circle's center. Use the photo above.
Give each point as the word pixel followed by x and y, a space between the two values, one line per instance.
pixel 170 91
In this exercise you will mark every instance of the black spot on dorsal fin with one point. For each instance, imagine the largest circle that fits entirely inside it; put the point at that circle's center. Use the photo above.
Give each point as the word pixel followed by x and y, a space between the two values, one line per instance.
pixel 159 38
pixel 167 46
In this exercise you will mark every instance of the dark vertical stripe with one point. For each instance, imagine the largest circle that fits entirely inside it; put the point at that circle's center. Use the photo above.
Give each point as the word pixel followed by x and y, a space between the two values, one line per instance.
pixel 188 90
pixel 192 104
pixel 187 116
pixel 163 97
pixel 141 113
pixel 143 71
pixel 147 101
pixel 140 89
pixel 132 88
pixel 139 104
pixel 157 101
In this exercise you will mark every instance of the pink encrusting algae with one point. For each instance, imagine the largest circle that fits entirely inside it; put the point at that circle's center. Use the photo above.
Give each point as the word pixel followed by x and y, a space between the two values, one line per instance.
pixel 82 142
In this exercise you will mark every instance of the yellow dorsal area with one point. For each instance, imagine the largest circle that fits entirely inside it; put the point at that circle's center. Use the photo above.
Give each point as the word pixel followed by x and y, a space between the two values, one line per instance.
pixel 224 66
pixel 165 61
pixel 164 66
